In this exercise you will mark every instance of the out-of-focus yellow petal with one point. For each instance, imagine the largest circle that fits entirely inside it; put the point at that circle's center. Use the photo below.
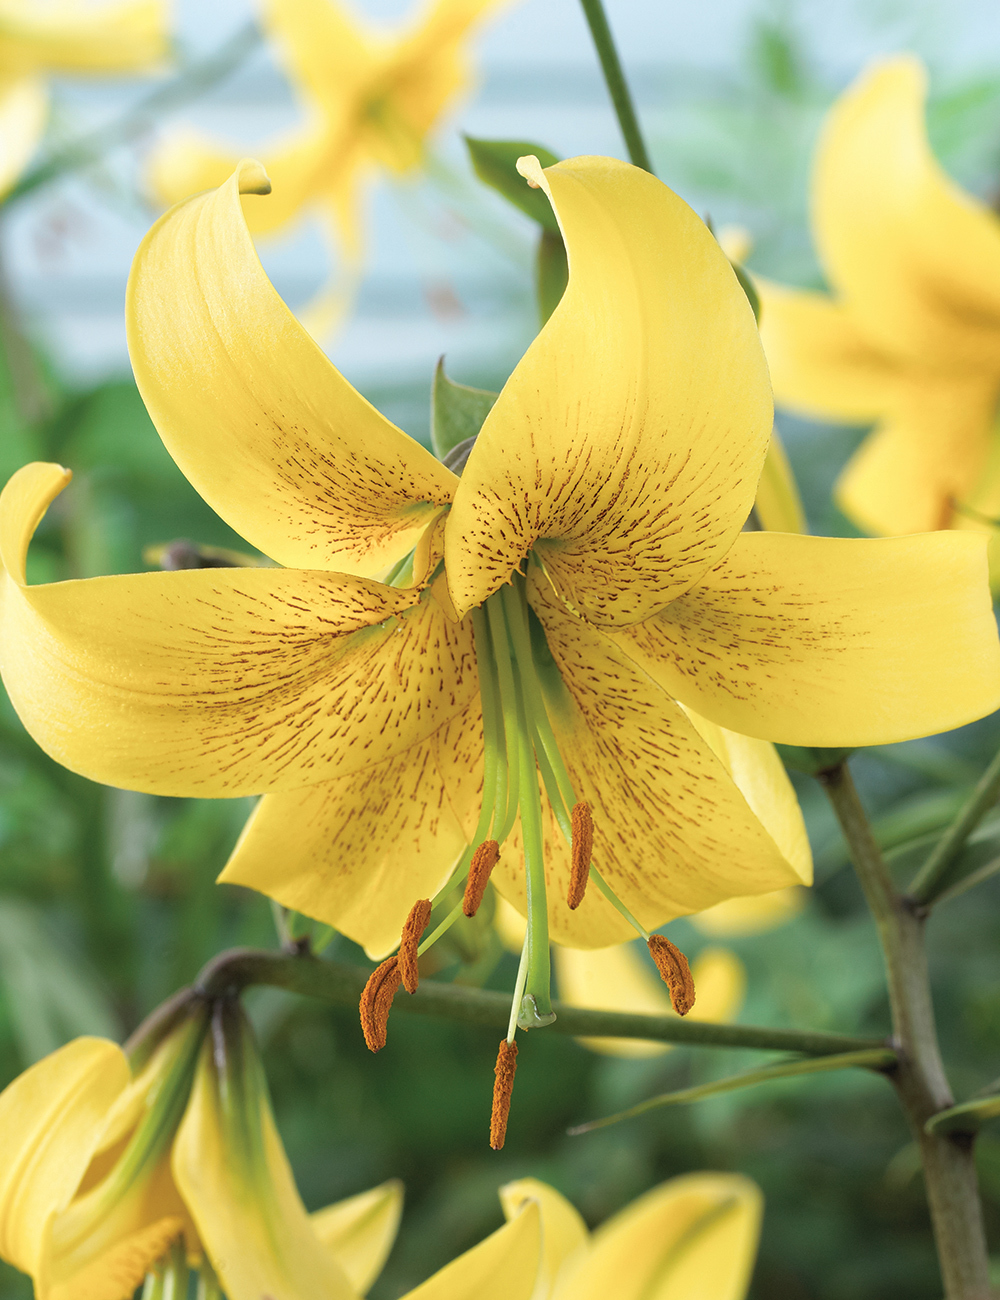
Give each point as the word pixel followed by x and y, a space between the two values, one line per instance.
pixel 219 682
pixel 623 979
pixel 916 259
pixel 924 459
pixel 672 831
pixel 326 54
pixel 693 1238
pixel 245 1204
pixel 24 108
pixel 739 916
pixel 270 434
pixel 82 38
pixel 357 853
pixel 359 1232
pixel 778 504
pixel 564 1233
pixel 820 362
pixel 51 1119
pixel 503 1267
pixel 627 445
pixel 832 641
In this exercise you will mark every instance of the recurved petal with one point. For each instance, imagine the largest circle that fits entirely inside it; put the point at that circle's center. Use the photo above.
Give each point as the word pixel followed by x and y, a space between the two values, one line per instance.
pixel 358 852
pixel 271 435
pixel 924 459
pixel 622 979
pixel 24 108
pixel 672 832
pixel 832 641
pixel 916 260
pixel 51 1119
pixel 694 1238
pixel 83 38
pixel 220 682
pixel 564 1233
pixel 820 362
pixel 627 445
pixel 245 1204
pixel 326 53
pixel 503 1267
pixel 359 1232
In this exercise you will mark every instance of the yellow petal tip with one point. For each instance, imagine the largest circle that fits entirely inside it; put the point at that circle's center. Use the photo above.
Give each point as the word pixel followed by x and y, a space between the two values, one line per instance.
pixel 531 169
pixel 252 177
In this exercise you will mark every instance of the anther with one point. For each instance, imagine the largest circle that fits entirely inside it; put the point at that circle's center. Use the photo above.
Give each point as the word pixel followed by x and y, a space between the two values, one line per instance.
pixel 416 924
pixel 582 850
pixel 485 858
pixel 502 1089
pixel 673 967
pixel 376 1001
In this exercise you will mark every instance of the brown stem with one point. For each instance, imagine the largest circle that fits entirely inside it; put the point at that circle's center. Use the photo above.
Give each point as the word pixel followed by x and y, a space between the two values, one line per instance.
pixel 921 1083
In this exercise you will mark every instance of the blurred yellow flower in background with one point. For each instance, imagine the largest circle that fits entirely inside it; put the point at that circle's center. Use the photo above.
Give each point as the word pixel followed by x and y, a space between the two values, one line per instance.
pixel 909 336
pixel 65 36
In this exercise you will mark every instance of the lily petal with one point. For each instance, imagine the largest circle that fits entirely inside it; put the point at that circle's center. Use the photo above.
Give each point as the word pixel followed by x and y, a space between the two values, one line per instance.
pixel 219 682
pixel 24 110
pixel 359 1232
pixel 564 1233
pixel 916 258
pixel 358 852
pixel 924 459
pixel 83 38
pixel 326 53
pixel 269 433
pixel 622 979
pixel 627 445
pixel 820 363
pixel 503 1267
pixel 51 1118
pixel 740 916
pixel 693 1238
pixel 832 641
pixel 245 1204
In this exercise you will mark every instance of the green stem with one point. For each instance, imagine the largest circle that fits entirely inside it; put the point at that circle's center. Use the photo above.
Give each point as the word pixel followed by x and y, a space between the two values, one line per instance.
pixel 931 879
pixel 341 985
pixel 949 1170
pixel 611 66
pixel 507 714
pixel 141 117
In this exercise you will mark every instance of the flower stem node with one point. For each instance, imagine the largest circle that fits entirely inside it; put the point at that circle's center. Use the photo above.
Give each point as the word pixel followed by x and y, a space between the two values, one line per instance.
pixel 582 850
pixel 529 1016
pixel 485 858
pixel 502 1089
pixel 416 924
pixel 673 967
pixel 376 999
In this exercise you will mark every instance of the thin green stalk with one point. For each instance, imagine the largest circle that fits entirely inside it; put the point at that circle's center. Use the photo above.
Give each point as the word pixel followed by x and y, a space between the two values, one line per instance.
pixel 617 86
pixel 341 984
pixel 494 751
pixel 931 879
pixel 508 713
pixel 519 983
pixel 441 929
pixel 194 80
pixel 949 1169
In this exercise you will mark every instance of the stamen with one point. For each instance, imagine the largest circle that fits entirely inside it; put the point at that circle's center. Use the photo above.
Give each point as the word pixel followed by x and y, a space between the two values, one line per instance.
pixel 484 860
pixel 502 1089
pixel 673 967
pixel 416 924
pixel 582 849
pixel 376 1001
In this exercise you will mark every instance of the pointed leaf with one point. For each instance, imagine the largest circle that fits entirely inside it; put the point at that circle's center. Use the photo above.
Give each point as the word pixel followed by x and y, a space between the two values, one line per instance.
pixel 551 273
pixel 457 411
pixel 968 1117
pixel 495 162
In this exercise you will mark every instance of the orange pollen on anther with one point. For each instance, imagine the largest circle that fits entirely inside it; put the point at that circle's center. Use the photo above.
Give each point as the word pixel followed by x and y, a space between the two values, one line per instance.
pixel 485 858
pixel 503 1087
pixel 376 1001
pixel 416 924
pixel 676 973
pixel 582 850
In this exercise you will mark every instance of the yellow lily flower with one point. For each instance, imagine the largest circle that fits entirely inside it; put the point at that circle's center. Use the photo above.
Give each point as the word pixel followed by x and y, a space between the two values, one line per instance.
pixel 692 1238
pixel 368 99
pixel 395 725
pixel 65 36
pixel 909 336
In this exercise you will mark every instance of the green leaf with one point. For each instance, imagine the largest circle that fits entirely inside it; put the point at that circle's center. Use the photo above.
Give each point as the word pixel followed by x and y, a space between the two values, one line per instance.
pixel 457 411
pixel 495 163
pixel 877 1058
pixel 968 1117
pixel 551 273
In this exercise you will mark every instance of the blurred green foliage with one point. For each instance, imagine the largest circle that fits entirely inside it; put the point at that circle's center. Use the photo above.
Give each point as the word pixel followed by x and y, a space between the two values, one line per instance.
pixel 108 901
